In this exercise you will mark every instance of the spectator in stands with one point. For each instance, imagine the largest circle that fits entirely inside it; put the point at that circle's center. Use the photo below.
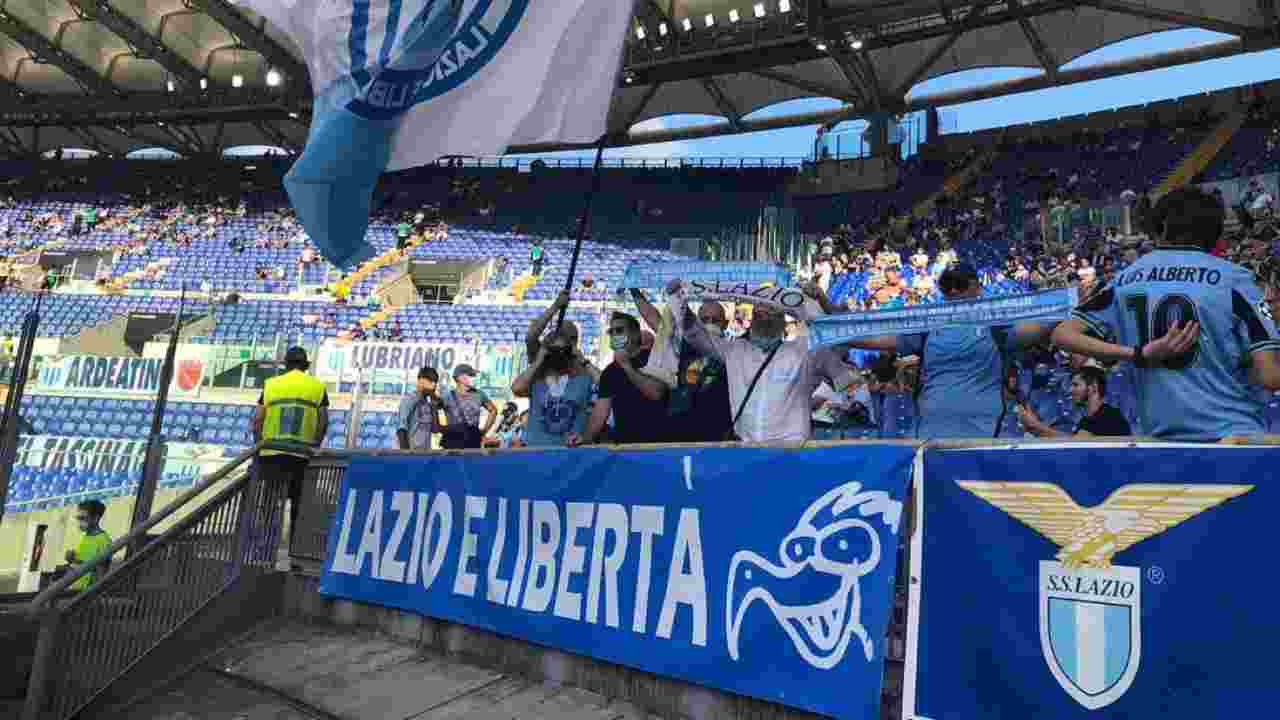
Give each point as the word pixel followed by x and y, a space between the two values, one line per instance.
pixel 635 398
pixel 961 370
pixel 419 412
pixel 94 543
pixel 779 408
pixel 464 405
pixel 292 410
pixel 537 256
pixel 558 384
pixel 1088 388
pixel 1189 322
pixel 698 405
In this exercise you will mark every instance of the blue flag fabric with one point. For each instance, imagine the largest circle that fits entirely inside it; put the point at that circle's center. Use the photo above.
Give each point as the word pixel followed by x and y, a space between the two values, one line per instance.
pixel 1094 583
pixel 646 559
pixel 402 83
pixel 1046 306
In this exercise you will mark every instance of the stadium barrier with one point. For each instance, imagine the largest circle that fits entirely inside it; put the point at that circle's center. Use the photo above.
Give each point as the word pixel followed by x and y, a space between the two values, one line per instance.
pixel 725 580
pixel 843 626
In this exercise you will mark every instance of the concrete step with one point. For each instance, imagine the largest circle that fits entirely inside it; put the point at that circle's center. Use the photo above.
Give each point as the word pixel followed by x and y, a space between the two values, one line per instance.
pixel 287 669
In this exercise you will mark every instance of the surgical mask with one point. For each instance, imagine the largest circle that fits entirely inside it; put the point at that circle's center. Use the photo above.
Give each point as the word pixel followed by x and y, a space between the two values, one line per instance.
pixel 618 342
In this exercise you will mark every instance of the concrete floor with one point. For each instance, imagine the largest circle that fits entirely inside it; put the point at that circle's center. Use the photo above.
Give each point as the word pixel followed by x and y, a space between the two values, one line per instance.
pixel 291 670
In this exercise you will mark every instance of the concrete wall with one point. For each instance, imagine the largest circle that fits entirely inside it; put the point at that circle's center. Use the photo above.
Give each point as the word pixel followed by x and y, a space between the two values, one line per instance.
pixel 662 696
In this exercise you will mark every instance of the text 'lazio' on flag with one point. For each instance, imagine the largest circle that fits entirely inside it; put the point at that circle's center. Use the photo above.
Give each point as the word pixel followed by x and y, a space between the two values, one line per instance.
pixel 402 83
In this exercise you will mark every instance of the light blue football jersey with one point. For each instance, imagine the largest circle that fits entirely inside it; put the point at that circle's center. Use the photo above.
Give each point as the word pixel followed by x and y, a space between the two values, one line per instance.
pixel 1204 395
pixel 960 381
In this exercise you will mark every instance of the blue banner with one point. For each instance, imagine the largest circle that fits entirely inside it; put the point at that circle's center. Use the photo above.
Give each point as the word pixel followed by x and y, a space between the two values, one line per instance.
pixel 1045 306
pixel 762 572
pixel 1095 583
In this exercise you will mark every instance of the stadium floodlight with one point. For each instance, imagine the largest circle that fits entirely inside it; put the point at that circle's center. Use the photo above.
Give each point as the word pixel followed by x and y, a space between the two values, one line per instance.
pixel 855 43
pixel 759 9
pixel 168 84
pixel 710 19
pixel 237 80
pixel 628 77
pixel 822 47
pixel 662 29
pixel 784 6
pixel 733 16
pixel 639 32
pixel 687 25
pixel 204 83
pixel 273 77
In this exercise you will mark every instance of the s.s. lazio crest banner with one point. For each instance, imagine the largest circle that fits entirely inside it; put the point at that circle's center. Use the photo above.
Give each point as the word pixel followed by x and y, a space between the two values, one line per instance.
pixel 1093 582
pixel 401 83
pixel 764 572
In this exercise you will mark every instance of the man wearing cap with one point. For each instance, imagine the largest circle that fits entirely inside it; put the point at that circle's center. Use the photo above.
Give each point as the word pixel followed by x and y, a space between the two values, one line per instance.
pixel 420 413
pixel 293 410
pixel 463 406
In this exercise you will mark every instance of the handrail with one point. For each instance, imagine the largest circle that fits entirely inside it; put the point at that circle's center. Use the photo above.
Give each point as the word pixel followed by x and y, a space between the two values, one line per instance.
pixel 134 535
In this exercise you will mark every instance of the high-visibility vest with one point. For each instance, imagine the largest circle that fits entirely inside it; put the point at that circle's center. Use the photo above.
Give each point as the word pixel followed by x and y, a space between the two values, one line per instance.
pixel 292 401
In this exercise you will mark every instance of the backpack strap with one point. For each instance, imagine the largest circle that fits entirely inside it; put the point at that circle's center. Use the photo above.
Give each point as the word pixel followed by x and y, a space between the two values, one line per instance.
pixel 743 406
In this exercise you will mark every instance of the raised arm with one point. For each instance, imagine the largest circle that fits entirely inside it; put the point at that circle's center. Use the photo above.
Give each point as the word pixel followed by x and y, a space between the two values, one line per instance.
pixel 650 314
pixel 694 333
pixel 533 338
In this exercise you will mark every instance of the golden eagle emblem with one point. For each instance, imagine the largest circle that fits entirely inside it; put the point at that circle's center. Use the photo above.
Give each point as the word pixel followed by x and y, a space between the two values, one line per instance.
pixel 1090 537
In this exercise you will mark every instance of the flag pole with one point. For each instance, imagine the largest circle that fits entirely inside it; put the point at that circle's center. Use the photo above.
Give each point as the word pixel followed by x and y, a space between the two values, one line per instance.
pixel 584 222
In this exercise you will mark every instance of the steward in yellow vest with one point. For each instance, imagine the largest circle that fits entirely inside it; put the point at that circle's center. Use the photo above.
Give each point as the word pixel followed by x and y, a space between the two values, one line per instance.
pixel 293 409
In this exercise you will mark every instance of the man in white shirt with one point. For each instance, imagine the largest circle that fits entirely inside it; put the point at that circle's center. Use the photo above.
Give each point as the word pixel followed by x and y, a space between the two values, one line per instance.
pixel 780 407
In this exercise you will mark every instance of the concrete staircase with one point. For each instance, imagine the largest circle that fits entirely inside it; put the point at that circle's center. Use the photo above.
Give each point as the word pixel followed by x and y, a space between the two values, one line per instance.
pixel 107 339
pixel 1200 158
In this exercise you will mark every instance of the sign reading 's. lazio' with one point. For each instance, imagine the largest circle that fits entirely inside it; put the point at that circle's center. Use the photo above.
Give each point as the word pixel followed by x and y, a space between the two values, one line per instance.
pixel 1095 582
pixel 761 572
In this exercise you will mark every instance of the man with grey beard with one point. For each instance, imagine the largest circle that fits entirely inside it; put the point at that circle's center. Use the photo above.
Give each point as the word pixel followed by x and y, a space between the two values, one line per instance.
pixel 779 408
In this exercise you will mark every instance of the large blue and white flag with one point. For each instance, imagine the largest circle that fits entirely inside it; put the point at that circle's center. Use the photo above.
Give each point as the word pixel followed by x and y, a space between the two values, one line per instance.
pixel 401 83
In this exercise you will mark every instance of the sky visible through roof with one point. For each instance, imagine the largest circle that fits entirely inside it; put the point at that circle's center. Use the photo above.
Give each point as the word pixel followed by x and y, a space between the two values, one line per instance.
pixel 1039 105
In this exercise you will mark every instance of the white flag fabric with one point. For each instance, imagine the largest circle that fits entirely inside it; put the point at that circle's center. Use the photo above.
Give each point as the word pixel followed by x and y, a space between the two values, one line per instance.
pixel 401 83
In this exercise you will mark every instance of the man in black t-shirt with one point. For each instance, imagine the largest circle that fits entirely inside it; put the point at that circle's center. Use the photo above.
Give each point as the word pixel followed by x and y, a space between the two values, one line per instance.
pixel 698 406
pixel 1088 387
pixel 637 400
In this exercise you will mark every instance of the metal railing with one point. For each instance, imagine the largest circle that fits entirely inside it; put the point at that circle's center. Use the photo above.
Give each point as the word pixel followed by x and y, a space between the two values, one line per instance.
pixel 95 637
pixel 639 163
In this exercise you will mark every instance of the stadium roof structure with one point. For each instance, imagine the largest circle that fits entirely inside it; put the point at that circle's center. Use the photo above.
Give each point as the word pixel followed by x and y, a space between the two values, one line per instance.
pixel 197 76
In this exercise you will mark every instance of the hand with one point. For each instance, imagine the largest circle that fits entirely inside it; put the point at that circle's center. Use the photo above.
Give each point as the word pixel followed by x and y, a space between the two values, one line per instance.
pixel 622 359
pixel 1029 416
pixel 1178 341
pixel 674 287
pixel 562 300
pixel 572 439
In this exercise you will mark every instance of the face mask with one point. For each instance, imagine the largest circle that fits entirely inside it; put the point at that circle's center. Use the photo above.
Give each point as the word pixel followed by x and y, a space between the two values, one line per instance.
pixel 713 329
pixel 618 342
